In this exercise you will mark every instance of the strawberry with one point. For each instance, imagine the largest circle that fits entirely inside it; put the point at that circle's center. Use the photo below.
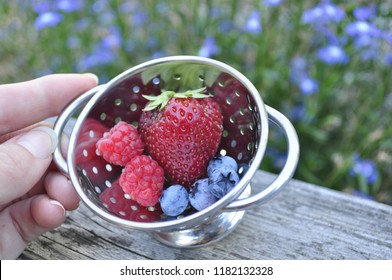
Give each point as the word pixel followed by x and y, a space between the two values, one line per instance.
pixel 118 203
pixel 182 132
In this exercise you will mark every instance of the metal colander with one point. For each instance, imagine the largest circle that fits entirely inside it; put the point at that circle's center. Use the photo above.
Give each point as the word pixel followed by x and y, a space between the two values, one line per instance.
pixel 245 136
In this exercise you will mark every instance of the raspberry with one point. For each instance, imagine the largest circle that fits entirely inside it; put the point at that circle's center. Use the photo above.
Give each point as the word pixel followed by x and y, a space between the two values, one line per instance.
pixel 120 144
pixel 143 180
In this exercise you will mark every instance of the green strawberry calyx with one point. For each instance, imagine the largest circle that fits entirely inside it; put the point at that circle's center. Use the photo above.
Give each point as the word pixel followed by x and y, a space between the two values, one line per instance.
pixel 162 99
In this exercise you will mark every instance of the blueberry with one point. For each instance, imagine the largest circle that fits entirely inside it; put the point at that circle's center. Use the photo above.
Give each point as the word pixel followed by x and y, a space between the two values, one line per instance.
pixel 200 196
pixel 223 176
pixel 224 181
pixel 222 162
pixel 174 200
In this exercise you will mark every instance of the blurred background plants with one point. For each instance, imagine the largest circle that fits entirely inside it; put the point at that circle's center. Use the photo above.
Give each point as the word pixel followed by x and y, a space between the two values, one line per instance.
pixel 325 65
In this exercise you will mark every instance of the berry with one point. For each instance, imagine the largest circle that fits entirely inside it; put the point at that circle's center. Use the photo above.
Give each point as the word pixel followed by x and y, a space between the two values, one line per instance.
pixel 119 203
pixel 143 180
pixel 223 183
pixel 86 158
pixel 220 163
pixel 222 172
pixel 174 200
pixel 120 144
pixel 200 196
pixel 182 132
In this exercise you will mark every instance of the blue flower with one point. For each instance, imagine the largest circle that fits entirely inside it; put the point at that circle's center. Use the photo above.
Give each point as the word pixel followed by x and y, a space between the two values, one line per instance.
pixel 388 59
pixel 113 39
pixel 362 28
pixel 69 6
pixel 298 65
pixel 139 18
pixel 272 3
pixel 209 48
pixel 47 19
pixel 387 37
pixel 41 7
pixel 300 77
pixel 158 54
pixel 99 6
pixel 332 54
pixel 365 168
pixel 365 41
pixel 364 12
pixel 323 13
pixel 101 55
pixel 299 113
pixel 253 23
pixel 308 86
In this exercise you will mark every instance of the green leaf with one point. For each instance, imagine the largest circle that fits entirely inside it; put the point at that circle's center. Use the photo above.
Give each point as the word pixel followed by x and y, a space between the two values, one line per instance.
pixel 162 99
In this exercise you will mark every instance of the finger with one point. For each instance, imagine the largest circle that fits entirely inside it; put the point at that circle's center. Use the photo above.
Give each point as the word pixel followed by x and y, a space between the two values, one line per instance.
pixel 24 160
pixel 25 220
pixel 35 100
pixel 13 134
pixel 59 188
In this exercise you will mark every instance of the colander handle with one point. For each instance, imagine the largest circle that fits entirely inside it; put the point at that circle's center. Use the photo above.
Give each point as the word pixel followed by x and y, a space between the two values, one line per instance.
pixel 287 171
pixel 63 119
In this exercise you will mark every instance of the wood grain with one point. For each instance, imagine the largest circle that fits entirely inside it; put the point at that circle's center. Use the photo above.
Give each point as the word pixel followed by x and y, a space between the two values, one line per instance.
pixel 303 222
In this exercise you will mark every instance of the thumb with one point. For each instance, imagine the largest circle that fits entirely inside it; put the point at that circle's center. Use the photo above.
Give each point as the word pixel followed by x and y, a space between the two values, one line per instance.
pixel 24 159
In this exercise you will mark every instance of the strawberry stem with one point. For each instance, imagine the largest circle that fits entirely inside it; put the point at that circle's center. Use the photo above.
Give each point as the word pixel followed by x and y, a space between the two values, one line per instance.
pixel 162 99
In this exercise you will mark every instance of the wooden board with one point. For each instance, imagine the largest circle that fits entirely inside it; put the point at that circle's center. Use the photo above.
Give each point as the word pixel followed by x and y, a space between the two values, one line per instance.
pixel 303 222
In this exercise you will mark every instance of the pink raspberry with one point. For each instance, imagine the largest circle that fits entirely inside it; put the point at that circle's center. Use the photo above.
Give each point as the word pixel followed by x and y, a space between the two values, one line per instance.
pixel 143 180
pixel 120 144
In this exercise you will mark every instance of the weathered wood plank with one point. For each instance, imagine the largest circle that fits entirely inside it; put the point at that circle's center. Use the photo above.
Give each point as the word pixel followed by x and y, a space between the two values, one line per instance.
pixel 303 222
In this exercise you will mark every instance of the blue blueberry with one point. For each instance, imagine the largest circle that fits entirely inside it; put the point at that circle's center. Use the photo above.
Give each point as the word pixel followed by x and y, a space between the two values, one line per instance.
pixel 200 195
pixel 174 200
pixel 223 176
pixel 224 181
pixel 222 162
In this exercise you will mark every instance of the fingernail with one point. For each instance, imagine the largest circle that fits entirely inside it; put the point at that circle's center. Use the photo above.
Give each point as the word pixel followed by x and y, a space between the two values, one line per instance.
pixel 55 202
pixel 40 141
pixel 93 76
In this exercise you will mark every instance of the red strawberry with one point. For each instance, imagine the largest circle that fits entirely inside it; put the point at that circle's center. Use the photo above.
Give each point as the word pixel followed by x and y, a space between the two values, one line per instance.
pixel 183 134
pixel 118 203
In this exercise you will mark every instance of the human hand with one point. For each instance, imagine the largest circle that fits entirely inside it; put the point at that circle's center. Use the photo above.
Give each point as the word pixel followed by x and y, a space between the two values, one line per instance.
pixel 34 196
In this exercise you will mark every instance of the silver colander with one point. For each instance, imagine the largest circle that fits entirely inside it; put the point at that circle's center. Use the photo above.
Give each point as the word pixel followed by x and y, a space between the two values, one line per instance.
pixel 245 135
